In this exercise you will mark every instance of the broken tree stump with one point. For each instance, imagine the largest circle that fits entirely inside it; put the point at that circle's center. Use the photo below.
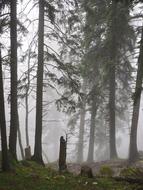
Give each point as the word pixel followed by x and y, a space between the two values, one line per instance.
pixel 86 171
pixel 28 153
pixel 62 154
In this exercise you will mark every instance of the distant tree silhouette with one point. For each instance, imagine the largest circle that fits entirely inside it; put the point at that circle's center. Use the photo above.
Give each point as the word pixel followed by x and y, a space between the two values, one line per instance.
pixel 5 159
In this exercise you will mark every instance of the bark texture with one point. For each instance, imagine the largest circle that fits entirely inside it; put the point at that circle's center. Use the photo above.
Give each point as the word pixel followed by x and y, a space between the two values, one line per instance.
pixel 112 83
pixel 112 130
pixel 39 96
pixel 5 160
pixel 133 151
pixel 13 113
pixel 62 154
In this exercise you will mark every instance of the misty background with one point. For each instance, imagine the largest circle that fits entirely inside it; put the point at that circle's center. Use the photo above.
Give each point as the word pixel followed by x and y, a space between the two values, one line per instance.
pixel 55 123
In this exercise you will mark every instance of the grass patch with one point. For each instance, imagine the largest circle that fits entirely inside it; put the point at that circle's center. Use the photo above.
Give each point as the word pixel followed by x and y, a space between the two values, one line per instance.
pixel 29 175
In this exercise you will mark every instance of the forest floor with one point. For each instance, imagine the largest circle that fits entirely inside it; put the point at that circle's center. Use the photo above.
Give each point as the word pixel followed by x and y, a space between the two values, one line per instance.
pixel 30 176
pixel 116 165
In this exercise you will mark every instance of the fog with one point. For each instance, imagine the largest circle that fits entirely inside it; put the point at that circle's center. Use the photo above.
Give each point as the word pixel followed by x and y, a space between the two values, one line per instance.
pixel 55 122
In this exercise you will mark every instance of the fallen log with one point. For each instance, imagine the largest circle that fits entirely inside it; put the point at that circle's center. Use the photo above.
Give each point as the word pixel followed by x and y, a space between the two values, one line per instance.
pixel 129 179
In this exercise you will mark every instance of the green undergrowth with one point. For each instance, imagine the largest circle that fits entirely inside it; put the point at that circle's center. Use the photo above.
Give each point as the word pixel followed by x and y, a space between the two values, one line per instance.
pixel 132 172
pixel 106 171
pixel 30 176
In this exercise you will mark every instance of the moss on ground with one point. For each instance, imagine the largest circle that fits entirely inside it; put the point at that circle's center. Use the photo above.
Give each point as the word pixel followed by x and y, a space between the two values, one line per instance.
pixel 106 171
pixel 28 175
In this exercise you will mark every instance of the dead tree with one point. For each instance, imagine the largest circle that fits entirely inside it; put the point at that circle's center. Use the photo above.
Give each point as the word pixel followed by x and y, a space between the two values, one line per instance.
pixel 62 154
pixel 28 153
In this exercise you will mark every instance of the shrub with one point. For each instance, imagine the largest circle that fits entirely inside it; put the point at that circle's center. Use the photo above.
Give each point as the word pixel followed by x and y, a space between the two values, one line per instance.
pixel 106 171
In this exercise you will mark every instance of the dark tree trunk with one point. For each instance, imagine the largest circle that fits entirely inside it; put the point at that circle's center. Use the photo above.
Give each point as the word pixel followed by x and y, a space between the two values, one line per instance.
pixel 80 146
pixel 112 130
pixel 133 152
pixel 13 113
pixel 62 154
pixel 112 83
pixel 5 160
pixel 39 96
pixel 92 131
pixel 19 137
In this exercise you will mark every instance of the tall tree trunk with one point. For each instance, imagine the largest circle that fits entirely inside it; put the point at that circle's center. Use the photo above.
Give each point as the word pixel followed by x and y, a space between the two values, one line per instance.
pixel 26 103
pixel 39 96
pixel 13 114
pixel 80 146
pixel 112 83
pixel 112 130
pixel 5 160
pixel 133 152
pixel 92 131
pixel 19 137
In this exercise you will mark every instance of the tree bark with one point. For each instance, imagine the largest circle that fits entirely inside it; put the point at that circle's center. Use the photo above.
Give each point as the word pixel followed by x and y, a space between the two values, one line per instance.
pixel 112 130
pixel 5 159
pixel 13 113
pixel 92 131
pixel 39 96
pixel 112 83
pixel 133 152
pixel 62 154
